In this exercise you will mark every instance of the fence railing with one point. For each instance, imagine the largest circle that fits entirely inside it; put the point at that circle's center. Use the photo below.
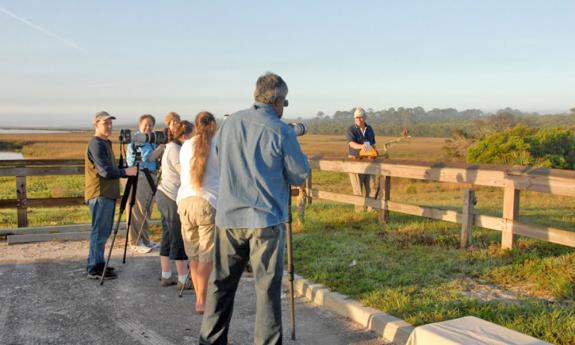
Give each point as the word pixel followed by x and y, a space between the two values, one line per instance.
pixel 511 180
pixel 22 169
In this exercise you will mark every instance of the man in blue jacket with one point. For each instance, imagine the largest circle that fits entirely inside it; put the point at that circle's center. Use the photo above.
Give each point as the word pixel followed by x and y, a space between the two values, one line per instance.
pixel 259 157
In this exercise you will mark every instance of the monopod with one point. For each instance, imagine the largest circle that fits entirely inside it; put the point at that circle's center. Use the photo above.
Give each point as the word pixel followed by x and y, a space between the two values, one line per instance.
pixel 290 265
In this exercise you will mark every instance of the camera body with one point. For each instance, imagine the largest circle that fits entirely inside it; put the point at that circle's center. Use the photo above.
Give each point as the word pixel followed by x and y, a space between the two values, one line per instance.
pixel 155 137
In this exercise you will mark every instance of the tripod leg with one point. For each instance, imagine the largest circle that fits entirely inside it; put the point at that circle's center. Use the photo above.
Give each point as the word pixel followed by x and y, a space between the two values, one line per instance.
pixel 290 266
pixel 122 208
pixel 148 206
pixel 184 285
pixel 110 250
pixel 134 187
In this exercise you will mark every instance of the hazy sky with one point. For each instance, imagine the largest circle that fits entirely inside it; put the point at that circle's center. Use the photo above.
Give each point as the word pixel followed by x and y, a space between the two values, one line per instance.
pixel 61 61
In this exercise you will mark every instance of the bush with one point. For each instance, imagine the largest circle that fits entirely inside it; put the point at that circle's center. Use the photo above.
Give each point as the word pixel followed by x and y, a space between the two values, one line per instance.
pixel 548 147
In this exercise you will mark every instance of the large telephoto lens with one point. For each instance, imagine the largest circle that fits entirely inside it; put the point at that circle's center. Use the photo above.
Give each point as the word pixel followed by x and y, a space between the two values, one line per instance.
pixel 156 137
pixel 298 128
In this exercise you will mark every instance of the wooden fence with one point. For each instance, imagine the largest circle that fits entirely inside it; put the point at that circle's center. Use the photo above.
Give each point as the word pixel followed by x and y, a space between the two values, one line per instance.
pixel 24 168
pixel 511 180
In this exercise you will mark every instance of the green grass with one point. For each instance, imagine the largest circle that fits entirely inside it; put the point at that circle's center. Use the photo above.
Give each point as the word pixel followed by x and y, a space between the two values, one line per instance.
pixel 412 268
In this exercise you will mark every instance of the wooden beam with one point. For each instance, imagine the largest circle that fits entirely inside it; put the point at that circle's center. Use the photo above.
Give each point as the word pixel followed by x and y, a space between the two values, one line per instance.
pixel 21 198
pixel 385 195
pixel 308 187
pixel 467 218
pixel 43 202
pixel 510 213
pixel 59 228
pixel 554 181
pixel 40 162
pixel 42 171
pixel 548 234
pixel 58 236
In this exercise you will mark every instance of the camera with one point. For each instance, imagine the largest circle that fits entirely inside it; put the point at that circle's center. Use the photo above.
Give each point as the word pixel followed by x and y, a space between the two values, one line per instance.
pixel 155 137
pixel 298 128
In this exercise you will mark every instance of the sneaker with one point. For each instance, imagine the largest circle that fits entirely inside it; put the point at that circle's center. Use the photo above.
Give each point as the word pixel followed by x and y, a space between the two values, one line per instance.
pixel 187 286
pixel 142 249
pixel 169 281
pixel 154 245
pixel 109 275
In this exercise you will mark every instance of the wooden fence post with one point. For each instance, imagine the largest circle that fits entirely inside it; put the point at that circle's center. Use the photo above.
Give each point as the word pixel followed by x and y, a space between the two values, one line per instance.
pixel 22 208
pixel 308 189
pixel 467 217
pixel 384 189
pixel 510 213
pixel 301 201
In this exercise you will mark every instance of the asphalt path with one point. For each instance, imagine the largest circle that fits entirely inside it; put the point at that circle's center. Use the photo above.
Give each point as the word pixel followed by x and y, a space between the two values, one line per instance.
pixel 46 298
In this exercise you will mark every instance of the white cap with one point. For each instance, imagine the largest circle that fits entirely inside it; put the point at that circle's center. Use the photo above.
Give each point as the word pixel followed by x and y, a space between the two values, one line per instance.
pixel 102 116
pixel 359 112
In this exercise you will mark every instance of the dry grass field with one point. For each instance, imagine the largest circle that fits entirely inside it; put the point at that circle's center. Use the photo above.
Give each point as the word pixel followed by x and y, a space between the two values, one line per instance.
pixel 72 145
pixel 335 147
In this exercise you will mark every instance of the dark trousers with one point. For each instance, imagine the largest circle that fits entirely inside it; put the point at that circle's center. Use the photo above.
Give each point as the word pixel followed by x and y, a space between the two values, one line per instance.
pixel 264 249
pixel 172 244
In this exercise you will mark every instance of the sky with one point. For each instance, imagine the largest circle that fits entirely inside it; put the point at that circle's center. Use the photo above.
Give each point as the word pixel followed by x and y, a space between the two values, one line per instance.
pixel 63 60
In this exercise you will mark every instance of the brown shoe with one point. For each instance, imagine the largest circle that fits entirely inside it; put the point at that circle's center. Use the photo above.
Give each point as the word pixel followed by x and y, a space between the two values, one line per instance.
pixel 168 282
pixel 187 286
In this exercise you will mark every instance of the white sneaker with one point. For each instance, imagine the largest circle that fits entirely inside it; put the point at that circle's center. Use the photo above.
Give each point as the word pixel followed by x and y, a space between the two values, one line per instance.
pixel 142 249
pixel 154 245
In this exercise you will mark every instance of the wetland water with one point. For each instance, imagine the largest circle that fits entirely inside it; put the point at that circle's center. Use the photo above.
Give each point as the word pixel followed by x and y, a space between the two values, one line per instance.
pixel 5 155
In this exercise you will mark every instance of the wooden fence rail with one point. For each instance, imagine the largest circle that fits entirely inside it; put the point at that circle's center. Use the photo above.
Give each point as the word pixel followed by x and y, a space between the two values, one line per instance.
pixel 21 169
pixel 512 180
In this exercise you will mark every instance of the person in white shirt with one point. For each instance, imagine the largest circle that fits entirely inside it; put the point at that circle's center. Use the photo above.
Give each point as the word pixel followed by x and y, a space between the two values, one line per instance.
pixel 172 246
pixel 197 198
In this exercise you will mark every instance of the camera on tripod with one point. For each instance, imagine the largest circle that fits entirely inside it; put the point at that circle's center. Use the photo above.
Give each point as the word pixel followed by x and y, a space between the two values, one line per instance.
pixel 155 137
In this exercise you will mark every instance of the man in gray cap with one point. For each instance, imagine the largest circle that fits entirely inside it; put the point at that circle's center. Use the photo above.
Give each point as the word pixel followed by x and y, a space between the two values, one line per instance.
pixel 102 188
pixel 361 138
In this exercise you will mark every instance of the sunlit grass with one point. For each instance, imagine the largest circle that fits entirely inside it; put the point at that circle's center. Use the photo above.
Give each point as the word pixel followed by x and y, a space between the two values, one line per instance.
pixel 412 268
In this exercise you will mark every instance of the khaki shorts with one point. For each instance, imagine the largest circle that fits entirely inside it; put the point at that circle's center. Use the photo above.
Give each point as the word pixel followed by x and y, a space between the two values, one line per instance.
pixel 198 224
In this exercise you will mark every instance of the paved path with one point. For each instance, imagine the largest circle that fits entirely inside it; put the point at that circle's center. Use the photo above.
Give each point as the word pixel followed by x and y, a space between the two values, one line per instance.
pixel 45 298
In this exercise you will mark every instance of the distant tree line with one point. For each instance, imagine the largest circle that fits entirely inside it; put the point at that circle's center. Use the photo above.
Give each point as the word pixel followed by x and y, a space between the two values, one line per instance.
pixel 474 123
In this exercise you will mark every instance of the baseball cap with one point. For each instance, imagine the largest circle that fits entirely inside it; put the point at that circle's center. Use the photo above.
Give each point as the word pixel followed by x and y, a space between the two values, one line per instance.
pixel 102 116
pixel 359 112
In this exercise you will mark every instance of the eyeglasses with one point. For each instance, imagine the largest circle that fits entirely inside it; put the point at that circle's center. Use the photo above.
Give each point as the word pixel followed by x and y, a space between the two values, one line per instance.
pixel 286 103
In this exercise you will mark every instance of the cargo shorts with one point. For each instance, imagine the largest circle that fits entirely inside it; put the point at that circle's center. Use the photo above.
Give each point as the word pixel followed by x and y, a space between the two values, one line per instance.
pixel 198 217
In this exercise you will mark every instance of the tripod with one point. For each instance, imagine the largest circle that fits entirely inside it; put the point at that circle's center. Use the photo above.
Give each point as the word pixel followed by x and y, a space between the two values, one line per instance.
pixel 129 192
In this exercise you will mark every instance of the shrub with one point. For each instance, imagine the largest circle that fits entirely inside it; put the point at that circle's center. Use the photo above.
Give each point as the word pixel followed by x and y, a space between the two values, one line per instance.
pixel 548 147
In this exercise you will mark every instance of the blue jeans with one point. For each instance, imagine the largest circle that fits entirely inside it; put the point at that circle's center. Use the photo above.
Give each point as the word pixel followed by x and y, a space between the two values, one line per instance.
pixel 102 211
pixel 264 249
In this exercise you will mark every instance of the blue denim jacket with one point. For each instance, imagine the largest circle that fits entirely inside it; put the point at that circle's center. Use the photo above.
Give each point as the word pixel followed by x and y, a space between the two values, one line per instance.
pixel 259 156
pixel 146 150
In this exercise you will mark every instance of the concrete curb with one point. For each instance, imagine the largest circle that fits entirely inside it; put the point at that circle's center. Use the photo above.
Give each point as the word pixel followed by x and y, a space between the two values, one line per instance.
pixel 387 326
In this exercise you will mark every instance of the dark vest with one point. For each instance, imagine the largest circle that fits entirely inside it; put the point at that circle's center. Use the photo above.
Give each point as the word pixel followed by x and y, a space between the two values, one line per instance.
pixel 96 185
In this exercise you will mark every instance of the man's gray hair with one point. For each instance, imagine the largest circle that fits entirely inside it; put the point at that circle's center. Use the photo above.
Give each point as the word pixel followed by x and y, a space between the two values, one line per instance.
pixel 269 88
